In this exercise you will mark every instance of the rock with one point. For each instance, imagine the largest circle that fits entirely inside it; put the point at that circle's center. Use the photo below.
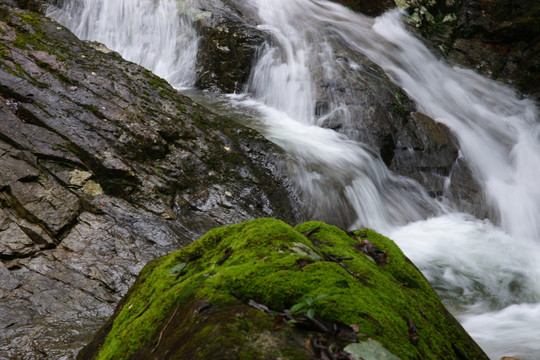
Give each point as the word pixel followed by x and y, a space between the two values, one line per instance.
pixel 497 38
pixel 368 7
pixel 228 45
pixel 244 291
pixel 380 115
pixel 427 152
pixel 104 168
pixel 500 39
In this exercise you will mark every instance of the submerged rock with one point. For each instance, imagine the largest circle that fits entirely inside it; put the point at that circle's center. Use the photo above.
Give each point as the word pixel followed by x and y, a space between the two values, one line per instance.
pixel 104 166
pixel 264 290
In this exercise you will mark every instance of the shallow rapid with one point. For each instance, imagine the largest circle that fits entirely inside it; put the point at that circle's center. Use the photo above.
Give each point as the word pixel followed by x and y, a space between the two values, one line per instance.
pixel 486 270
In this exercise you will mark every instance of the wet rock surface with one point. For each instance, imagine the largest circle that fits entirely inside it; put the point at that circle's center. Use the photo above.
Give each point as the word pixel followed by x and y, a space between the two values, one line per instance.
pixel 359 101
pixel 104 167
pixel 368 7
pixel 228 44
pixel 497 38
pixel 500 39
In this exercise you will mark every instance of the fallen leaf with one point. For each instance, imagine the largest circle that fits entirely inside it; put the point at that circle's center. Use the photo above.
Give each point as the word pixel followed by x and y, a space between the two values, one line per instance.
pixel 177 268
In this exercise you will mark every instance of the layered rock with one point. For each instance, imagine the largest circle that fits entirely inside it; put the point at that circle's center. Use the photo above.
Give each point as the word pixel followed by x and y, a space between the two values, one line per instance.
pixel 264 290
pixel 104 167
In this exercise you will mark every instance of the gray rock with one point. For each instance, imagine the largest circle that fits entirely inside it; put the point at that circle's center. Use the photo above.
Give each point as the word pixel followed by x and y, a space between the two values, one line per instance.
pixel 380 115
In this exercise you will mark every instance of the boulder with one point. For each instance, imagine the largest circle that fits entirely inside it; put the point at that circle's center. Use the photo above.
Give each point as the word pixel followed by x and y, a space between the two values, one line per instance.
pixel 361 102
pixel 229 40
pixel 265 290
pixel 104 166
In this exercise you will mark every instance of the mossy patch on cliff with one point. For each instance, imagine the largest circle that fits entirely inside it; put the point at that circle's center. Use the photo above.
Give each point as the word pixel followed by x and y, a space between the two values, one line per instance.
pixel 193 302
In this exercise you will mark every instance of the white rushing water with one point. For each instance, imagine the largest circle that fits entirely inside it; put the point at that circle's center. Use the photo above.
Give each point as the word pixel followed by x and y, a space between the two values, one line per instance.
pixel 487 274
pixel 158 35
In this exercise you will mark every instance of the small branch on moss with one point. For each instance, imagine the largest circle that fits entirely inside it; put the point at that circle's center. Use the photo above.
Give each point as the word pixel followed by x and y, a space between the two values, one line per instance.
pixel 422 312
pixel 228 253
pixel 142 312
pixel 412 332
pixel 311 232
pixel 181 273
pixel 370 318
pixel 194 257
pixel 340 258
pixel 165 327
pixel 331 258
pixel 258 306
pixel 356 237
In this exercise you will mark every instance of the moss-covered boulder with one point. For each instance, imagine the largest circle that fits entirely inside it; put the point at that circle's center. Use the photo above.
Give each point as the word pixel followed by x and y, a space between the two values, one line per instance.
pixel 265 290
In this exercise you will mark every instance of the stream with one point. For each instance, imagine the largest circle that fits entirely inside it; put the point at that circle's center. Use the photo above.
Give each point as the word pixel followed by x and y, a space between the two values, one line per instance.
pixel 486 270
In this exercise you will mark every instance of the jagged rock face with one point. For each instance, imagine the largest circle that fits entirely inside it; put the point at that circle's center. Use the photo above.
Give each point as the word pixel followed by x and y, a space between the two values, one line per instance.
pixel 104 167
pixel 265 290
pixel 500 39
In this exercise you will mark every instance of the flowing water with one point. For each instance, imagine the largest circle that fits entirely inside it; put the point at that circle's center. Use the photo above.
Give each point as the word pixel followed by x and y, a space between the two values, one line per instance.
pixel 486 271
pixel 158 35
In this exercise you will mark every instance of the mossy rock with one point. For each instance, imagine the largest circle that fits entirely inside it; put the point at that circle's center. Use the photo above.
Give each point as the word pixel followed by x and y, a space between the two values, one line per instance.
pixel 193 303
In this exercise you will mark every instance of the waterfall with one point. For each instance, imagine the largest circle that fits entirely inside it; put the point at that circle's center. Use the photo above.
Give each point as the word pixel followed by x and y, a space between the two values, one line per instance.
pixel 158 35
pixel 486 271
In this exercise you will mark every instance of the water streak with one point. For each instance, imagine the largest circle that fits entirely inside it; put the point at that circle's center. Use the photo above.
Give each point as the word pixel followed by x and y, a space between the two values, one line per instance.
pixel 159 35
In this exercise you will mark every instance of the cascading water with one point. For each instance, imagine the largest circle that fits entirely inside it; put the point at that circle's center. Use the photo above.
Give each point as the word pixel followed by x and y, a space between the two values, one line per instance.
pixel 154 34
pixel 488 275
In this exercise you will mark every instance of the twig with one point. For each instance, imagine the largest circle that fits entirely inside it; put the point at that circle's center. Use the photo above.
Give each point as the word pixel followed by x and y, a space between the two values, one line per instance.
pixel 333 259
pixel 228 253
pixel 167 324
pixel 181 280
pixel 311 232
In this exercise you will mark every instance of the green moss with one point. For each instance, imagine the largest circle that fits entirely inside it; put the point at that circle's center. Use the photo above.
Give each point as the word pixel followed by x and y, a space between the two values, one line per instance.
pixel 276 265
pixel 4 52
pixel 32 19
pixel 26 41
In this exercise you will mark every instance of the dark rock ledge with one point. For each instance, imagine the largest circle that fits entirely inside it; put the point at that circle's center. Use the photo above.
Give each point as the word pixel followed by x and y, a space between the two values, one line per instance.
pixel 104 167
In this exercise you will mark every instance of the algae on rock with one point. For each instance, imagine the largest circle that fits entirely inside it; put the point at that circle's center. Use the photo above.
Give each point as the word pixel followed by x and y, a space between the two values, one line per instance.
pixel 202 311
